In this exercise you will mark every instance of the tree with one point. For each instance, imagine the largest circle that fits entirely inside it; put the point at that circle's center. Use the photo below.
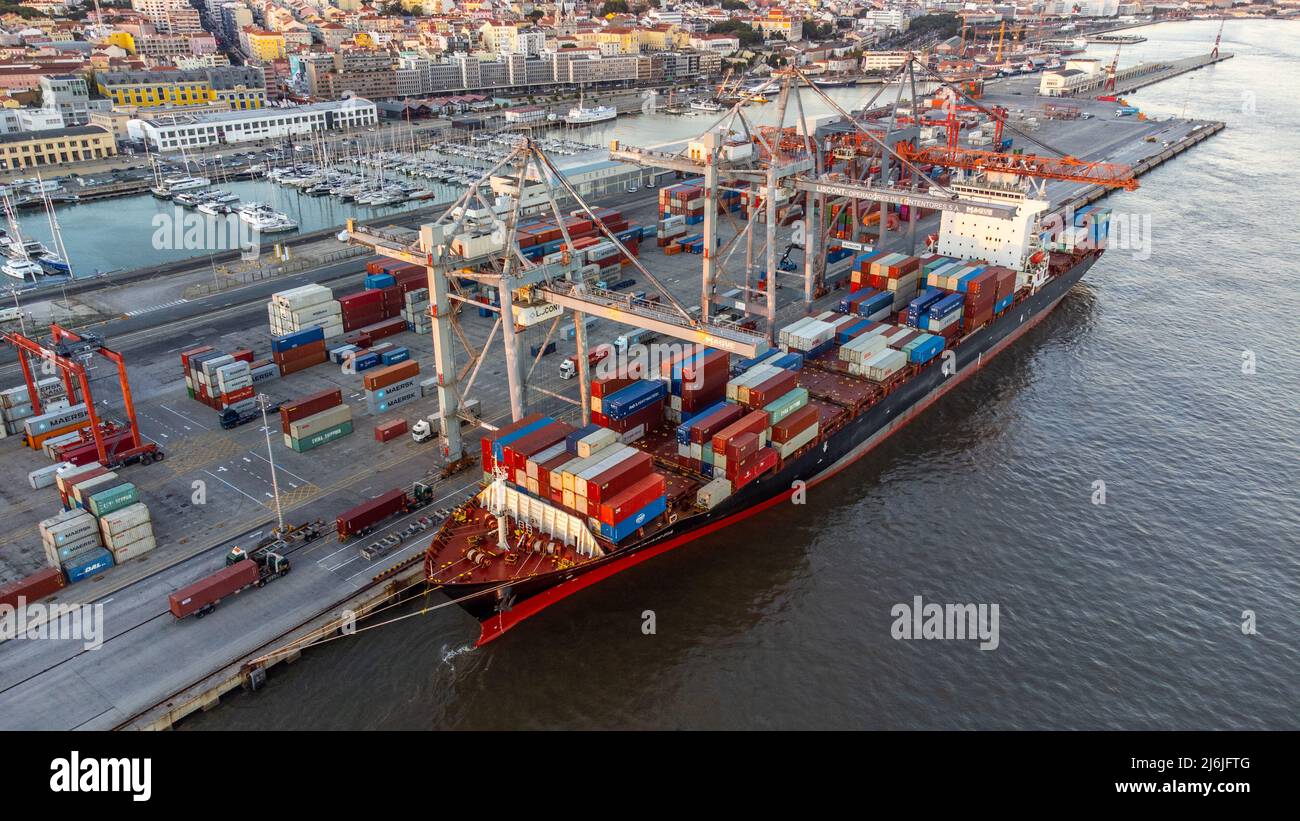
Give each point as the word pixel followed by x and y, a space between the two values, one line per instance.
pixel 536 14
pixel 613 7
pixel 743 31
pixel 735 5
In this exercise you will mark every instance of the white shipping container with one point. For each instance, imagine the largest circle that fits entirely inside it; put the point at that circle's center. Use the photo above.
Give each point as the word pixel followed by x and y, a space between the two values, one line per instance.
pixel 296 299
pixel 57 554
pixel 126 537
pixel 44 477
pixel 784 449
pixel 68 526
pixel 328 418
pixel 130 551
pixel 710 495
pixel 123 520
pixel 881 366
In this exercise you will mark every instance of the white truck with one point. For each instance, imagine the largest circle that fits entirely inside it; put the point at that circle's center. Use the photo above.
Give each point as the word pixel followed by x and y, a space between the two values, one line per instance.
pixel 430 426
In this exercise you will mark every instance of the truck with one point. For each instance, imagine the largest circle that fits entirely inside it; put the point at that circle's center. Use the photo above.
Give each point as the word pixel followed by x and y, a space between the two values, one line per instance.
pixel 231 418
pixel 430 426
pixel 537 349
pixel 362 519
pixel 641 336
pixel 203 596
pixel 305 533
pixel 569 367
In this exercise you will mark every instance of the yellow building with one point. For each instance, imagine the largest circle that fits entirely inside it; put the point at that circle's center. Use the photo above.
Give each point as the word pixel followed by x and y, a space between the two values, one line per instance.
pixel 265 46
pixel 243 87
pixel 626 39
pixel 25 149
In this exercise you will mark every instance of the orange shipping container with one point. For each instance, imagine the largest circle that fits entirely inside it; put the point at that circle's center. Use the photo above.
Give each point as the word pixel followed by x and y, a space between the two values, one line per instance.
pixel 383 377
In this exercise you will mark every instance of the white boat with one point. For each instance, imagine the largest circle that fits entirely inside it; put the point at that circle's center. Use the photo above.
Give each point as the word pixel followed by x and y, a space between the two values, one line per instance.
pixel 582 115
pixel 706 105
pixel 214 208
pixel 172 186
pixel 272 223
pixel 22 269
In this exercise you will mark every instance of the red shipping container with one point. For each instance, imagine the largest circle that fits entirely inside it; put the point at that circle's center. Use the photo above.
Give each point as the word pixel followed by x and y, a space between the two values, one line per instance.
pixel 636 496
pixel 764 461
pixel 185 355
pixel 898 342
pixel 614 481
pixel 392 374
pixel 648 416
pixel 86 452
pixel 698 400
pixel 983 283
pixel 243 355
pixel 225 582
pixel 506 430
pixel 741 447
pixel 32 588
pixel 301 408
pixel 702 432
pixel 387 431
pixel 795 424
pixel 309 351
pixel 353 521
pixel 604 386
pixel 969 323
pixel 1006 283
pixel 388 327
pixel 393 300
pixel 287 368
pixel 237 396
pixel 753 422
pixel 769 390
pixel 515 455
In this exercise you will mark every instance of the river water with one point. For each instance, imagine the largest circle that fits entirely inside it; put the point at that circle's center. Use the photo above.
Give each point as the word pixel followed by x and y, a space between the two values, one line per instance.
pixel 1127 614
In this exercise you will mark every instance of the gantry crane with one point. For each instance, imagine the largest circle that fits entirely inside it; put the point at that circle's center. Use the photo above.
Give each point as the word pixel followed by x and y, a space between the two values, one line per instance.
pixel 62 352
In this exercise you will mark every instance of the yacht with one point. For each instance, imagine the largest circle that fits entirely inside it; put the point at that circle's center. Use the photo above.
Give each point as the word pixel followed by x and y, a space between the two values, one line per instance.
pixel 272 222
pixel 22 270
pixel 172 186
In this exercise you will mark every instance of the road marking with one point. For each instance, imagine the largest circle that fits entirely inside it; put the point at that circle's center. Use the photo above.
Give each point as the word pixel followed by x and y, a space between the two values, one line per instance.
pixel 232 487
pixel 186 418
pixel 153 308
pixel 278 467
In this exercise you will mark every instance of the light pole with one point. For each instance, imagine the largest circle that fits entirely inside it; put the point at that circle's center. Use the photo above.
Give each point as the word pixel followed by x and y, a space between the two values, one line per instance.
pixel 263 400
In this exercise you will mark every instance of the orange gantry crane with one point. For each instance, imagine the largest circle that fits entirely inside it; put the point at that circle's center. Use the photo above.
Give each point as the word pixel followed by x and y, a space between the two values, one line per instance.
pixel 1071 169
pixel 63 347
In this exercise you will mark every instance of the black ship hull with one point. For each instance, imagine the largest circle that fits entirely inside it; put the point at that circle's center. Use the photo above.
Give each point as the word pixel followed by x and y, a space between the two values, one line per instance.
pixel 499 607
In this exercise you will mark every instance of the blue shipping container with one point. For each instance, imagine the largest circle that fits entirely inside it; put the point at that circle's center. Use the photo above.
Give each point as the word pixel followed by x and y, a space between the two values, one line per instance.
pixel 948 305
pixel 633 398
pixel 297 339
pixel 499 445
pixel 87 565
pixel 927 350
pixel 395 356
pixel 625 528
pixel 571 441
pixel 379 281
pixel 919 305
pixel 882 301
pixel 684 429
pixel 364 362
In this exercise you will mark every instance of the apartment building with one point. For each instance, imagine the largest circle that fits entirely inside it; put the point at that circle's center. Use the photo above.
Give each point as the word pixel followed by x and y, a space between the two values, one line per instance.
pixel 60 145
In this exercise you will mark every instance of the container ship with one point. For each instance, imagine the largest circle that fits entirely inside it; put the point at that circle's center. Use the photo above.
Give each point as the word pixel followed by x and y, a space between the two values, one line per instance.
pixel 701 442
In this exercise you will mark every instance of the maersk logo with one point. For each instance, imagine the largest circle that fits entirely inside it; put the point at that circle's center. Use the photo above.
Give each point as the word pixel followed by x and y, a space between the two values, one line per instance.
pixel 128 775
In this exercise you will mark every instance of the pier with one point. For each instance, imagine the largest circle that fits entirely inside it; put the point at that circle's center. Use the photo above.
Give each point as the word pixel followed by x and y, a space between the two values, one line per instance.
pixel 1130 79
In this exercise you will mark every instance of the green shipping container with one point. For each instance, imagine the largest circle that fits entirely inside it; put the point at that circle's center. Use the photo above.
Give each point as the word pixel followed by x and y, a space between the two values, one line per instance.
pixel 190 391
pixel 786 405
pixel 320 437
pixel 115 498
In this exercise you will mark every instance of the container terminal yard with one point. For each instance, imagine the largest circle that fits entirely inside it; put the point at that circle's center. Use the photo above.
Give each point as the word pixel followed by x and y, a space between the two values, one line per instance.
pixel 217 490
